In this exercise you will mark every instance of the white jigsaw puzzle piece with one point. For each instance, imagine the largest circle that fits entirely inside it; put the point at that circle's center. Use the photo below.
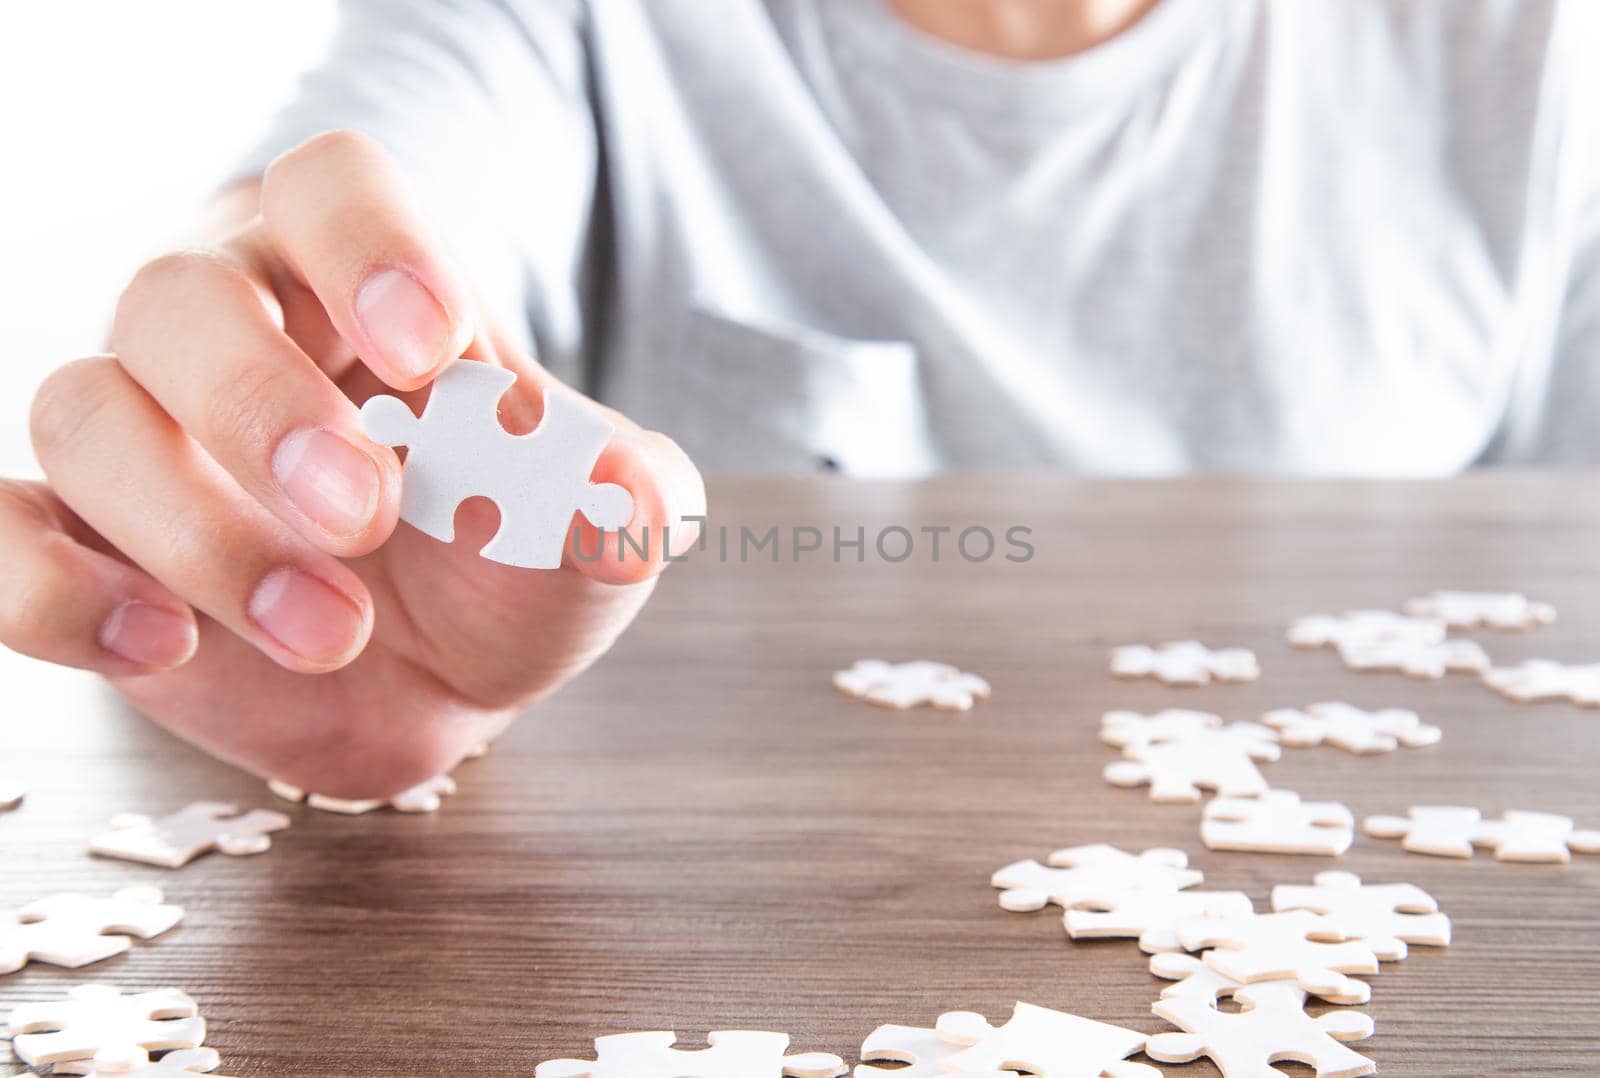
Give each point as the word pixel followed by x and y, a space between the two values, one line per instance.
pixel 1223 760
pixel 1128 729
pixel 1184 662
pixel 1294 946
pixel 174 840
pixel 71 930
pixel 1453 831
pixel 185 1061
pixel 1363 626
pixel 922 1050
pixel 1271 1026
pixel 1482 609
pixel 426 796
pixel 1387 916
pixel 96 1022
pixel 1351 728
pixel 1541 679
pixel 1151 916
pixel 1278 822
pixel 1091 873
pixel 732 1054
pixel 911 684
pixel 1416 659
pixel 1042 1041
pixel 457 450
pixel 1198 981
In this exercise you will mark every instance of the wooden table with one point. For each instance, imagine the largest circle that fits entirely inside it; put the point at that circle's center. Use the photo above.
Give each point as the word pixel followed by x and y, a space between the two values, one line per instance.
pixel 703 834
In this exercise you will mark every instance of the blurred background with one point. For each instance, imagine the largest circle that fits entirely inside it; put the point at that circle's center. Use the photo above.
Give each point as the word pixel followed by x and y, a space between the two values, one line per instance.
pixel 117 120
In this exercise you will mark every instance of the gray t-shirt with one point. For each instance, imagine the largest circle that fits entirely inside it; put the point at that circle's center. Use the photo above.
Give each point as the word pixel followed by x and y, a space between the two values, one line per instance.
pixel 1357 237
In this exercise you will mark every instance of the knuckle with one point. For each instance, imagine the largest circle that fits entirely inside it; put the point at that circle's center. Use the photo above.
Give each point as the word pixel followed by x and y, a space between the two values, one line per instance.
pixel 244 415
pixel 319 154
pixel 35 603
pixel 69 402
pixel 178 280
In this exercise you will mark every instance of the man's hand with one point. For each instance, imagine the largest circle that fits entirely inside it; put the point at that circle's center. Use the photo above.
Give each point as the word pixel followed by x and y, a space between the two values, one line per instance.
pixel 217 528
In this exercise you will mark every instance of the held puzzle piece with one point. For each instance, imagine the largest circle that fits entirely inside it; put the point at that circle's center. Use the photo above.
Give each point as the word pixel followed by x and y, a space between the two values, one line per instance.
pixel 912 684
pixel 1151 916
pixel 1482 609
pixel 1271 1026
pixel 1541 679
pixel 736 1053
pixel 184 1062
pixel 1185 662
pixel 423 797
pixel 96 1023
pixel 1296 946
pixel 173 841
pixel 69 929
pixel 1277 822
pixel 1198 981
pixel 1363 626
pixel 457 449
pixel 1453 830
pixel 1089 873
pixel 1222 760
pixel 1351 728
pixel 1415 659
pixel 1041 1041
pixel 920 1049
pixel 1129 729
pixel 1385 915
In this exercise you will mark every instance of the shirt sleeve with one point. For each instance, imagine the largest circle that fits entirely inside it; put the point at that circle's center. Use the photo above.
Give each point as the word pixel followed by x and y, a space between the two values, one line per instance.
pixel 486 105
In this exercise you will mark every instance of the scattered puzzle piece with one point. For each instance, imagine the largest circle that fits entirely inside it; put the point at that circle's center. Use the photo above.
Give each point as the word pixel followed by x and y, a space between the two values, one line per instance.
pixel 1415 659
pixel 185 1061
pixel 1198 981
pixel 1222 760
pixel 1089 873
pixel 457 449
pixel 1151 916
pixel 1351 728
pixel 1042 1041
pixel 1482 609
pixel 173 841
pixel 1185 662
pixel 921 1049
pixel 1295 946
pixel 1541 679
pixel 1386 915
pixel 68 929
pixel 1363 626
pixel 95 1022
pixel 1129 729
pixel 1278 822
pixel 732 1054
pixel 424 797
pixel 1270 1027
pixel 1452 831
pixel 912 684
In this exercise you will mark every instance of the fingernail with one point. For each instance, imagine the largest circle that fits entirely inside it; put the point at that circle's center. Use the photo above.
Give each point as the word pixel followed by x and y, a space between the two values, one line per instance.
pixel 310 618
pixel 327 479
pixel 404 321
pixel 148 635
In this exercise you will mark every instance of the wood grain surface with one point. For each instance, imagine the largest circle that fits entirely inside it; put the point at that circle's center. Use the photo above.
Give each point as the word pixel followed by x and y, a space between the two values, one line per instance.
pixel 702 834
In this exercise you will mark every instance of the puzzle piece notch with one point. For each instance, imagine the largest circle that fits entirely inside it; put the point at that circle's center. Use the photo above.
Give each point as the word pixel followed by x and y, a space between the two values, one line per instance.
pixel 96 1022
pixel 1221 759
pixel 1127 729
pixel 1091 873
pixel 1185 662
pixel 1351 728
pixel 457 450
pixel 174 840
pixel 732 1054
pixel 1359 626
pixel 1198 981
pixel 1278 822
pixel 922 1050
pixel 1413 659
pixel 1043 1041
pixel 1482 609
pixel 911 684
pixel 1297 945
pixel 178 1064
pixel 1150 916
pixel 71 930
pixel 1453 831
pixel 1270 1027
pixel 426 796
pixel 1540 679
pixel 1387 916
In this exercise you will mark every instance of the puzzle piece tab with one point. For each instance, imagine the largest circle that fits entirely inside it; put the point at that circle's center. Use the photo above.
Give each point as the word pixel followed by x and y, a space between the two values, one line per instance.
pixel 1416 659
pixel 1351 728
pixel 1091 873
pixel 1387 915
pixel 922 1050
pixel 911 684
pixel 426 796
pixel 1453 830
pixel 1041 1041
pixel 1270 1027
pixel 1277 822
pixel 1482 609
pixel 1198 981
pixel 70 929
pixel 1184 662
pixel 737 1053
pixel 174 840
pixel 1128 729
pixel 1363 626
pixel 1541 679
pixel 457 450
pixel 1295 946
pixel 1222 760
pixel 184 1063
pixel 95 1022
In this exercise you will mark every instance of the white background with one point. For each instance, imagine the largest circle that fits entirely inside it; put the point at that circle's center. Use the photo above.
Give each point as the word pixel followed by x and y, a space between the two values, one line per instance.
pixel 117 119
